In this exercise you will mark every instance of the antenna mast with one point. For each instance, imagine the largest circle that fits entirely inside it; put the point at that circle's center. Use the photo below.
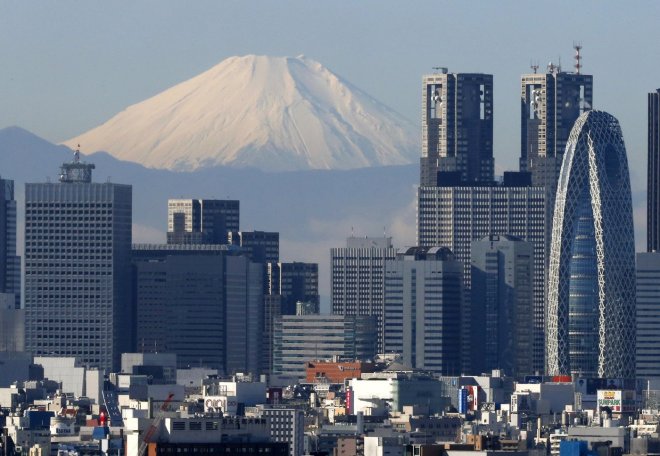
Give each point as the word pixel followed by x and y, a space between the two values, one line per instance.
pixel 578 58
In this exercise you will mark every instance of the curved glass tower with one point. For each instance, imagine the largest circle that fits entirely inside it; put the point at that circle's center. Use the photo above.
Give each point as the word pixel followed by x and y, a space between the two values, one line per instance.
pixel 591 282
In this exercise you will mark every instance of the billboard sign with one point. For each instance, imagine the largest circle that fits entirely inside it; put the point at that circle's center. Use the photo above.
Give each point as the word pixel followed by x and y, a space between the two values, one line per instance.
pixel 617 400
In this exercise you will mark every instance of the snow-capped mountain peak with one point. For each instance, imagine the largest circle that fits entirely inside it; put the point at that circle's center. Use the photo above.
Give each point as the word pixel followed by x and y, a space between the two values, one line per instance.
pixel 274 113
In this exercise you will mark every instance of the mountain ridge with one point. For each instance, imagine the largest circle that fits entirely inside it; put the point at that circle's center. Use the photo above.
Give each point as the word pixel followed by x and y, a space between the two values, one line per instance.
pixel 274 113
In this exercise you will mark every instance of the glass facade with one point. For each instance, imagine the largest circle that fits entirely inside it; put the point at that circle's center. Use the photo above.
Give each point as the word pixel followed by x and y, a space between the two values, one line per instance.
pixel 583 293
pixel 591 280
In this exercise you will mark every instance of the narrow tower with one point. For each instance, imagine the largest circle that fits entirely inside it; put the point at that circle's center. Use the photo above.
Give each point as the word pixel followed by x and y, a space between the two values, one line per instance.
pixel 653 182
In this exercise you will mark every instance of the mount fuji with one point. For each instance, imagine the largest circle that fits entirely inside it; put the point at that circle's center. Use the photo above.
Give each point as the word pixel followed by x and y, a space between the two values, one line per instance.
pixel 272 113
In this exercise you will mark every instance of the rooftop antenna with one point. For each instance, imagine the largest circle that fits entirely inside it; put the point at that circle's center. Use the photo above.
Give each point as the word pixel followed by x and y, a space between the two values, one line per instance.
pixel 578 58
pixel 76 155
pixel 559 64
pixel 534 66
pixel 443 70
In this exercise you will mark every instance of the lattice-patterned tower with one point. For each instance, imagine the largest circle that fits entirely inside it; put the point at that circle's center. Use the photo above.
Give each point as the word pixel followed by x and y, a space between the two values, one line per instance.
pixel 591 285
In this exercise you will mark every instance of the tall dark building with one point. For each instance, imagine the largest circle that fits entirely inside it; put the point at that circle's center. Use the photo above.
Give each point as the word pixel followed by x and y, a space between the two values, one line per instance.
pixel 454 217
pixel 653 183
pixel 457 128
pixel 260 246
pixel 294 282
pixel 550 103
pixel 201 221
pixel 502 305
pixel 77 268
pixel 202 302
pixel 10 264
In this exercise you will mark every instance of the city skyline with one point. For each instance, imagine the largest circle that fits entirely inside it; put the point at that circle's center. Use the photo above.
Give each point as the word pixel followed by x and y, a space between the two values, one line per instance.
pixel 181 306
pixel 126 73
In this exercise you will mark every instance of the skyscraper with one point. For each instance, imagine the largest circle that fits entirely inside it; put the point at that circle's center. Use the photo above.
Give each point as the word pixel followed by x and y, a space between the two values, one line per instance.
pixel 647 355
pixel 550 103
pixel 203 302
pixel 10 264
pixel 502 305
pixel 294 282
pixel 260 246
pixel 455 216
pixel 201 221
pixel 457 127
pixel 77 267
pixel 653 182
pixel 591 284
pixel 358 272
pixel 423 299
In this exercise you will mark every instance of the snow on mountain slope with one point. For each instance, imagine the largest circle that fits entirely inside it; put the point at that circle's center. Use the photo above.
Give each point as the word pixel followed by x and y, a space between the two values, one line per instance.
pixel 273 113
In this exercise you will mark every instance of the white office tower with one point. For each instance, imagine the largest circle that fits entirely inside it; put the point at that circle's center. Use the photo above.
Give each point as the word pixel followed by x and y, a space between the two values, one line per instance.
pixel 77 268
pixel 357 278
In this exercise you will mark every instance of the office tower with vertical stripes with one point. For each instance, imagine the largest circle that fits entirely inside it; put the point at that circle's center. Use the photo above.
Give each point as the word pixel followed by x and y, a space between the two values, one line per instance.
pixel 358 272
pixel 653 182
pixel 77 268
pixel 10 263
pixel 457 128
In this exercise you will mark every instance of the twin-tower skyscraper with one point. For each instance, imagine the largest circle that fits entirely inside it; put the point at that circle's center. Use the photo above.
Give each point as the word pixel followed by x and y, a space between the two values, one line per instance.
pixel 584 268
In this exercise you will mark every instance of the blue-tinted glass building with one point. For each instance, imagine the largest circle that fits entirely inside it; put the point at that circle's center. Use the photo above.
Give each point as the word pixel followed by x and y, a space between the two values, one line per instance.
pixel 591 282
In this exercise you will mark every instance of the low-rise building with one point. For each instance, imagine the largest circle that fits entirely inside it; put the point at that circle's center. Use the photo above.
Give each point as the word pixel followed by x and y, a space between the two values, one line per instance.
pixel 336 371
pixel 298 339
pixel 389 391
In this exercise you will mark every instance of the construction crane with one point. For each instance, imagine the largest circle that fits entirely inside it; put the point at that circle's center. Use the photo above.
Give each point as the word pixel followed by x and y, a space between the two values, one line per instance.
pixel 149 435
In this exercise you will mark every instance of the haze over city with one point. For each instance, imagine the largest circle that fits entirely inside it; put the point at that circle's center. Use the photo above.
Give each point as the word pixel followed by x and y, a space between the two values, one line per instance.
pixel 313 229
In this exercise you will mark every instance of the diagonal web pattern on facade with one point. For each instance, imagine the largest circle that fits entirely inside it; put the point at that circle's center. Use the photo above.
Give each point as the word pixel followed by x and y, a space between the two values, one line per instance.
pixel 591 282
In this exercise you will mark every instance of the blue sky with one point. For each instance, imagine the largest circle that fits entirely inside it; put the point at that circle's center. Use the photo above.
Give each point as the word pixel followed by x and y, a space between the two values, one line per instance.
pixel 66 66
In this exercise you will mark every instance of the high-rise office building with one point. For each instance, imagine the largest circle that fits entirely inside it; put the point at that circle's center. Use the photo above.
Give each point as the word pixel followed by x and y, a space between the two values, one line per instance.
pixel 298 339
pixel 77 267
pixel 591 283
pixel 457 128
pixel 423 299
pixel 260 246
pixel 454 217
pixel 358 272
pixel 502 304
pixel 10 264
pixel 201 221
pixel 647 356
pixel 202 302
pixel 294 282
pixel 550 103
pixel 653 182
